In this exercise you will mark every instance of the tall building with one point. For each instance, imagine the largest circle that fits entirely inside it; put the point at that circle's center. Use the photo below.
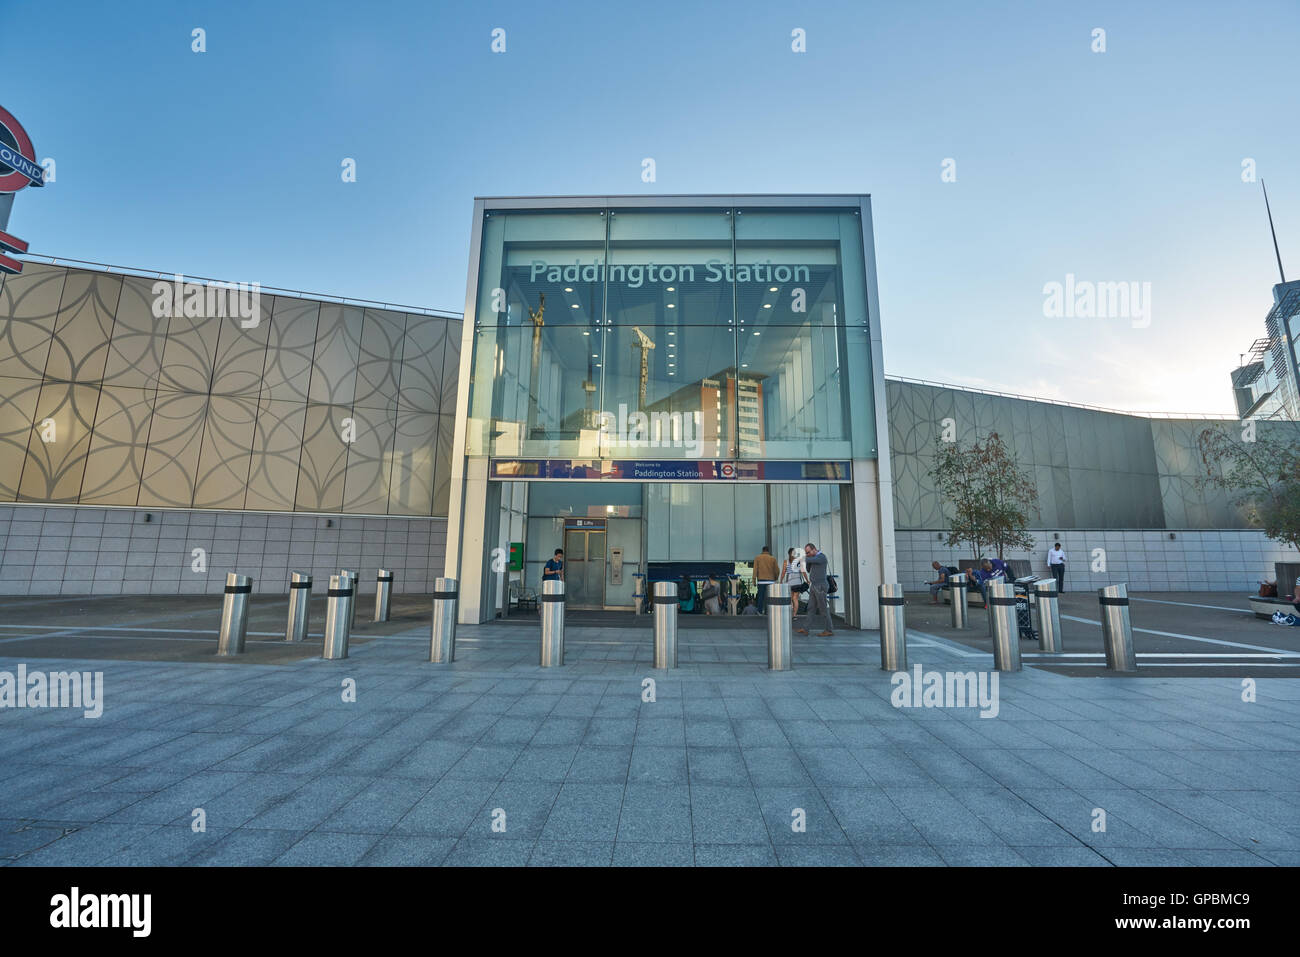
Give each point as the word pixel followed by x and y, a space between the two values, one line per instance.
pixel 1267 383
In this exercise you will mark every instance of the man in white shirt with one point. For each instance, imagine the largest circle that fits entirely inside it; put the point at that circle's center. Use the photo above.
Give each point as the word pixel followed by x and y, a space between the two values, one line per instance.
pixel 1056 565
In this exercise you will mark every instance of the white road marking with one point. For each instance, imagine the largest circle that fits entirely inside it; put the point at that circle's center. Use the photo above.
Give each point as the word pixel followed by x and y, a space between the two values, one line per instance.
pixel 1174 634
pixel 1188 604
pixel 1153 654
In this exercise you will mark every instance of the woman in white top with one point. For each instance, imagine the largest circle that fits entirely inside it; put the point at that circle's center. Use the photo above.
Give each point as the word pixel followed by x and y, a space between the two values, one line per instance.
pixel 792 574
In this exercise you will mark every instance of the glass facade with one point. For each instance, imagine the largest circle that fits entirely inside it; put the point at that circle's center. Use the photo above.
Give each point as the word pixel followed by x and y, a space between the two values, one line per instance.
pixel 683 333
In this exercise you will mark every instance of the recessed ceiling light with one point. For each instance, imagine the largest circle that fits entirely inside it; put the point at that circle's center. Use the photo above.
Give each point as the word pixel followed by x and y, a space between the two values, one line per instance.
pixel 586 333
pixel 594 356
pixel 575 306
pixel 767 305
pixel 570 289
pixel 671 306
pixel 672 288
pixel 672 333
pixel 744 365
pixel 773 289
pixel 758 333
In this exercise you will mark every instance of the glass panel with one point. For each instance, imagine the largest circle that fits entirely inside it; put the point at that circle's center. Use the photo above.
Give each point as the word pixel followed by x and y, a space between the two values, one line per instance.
pixel 685 399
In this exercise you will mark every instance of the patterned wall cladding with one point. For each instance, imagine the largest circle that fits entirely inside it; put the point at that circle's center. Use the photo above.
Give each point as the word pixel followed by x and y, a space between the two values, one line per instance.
pixel 1093 469
pixel 121 436
pixel 29 309
pixel 57 445
pixel 334 362
pixel 379 360
pixel 423 353
pixel 135 353
pixel 291 340
pixel 80 344
pixel 219 413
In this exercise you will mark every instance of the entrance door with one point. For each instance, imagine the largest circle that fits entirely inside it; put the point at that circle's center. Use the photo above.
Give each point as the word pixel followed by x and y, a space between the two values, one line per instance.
pixel 584 568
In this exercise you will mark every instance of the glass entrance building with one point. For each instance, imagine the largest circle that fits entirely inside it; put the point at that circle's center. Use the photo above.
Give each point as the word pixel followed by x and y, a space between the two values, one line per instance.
pixel 661 386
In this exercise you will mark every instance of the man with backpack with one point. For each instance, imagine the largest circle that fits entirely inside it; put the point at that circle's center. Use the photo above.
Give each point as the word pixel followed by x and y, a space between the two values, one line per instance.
pixel 816 565
pixel 940 583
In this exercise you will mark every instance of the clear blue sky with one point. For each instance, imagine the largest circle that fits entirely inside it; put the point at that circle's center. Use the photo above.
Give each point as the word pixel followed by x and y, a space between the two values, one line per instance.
pixel 1118 166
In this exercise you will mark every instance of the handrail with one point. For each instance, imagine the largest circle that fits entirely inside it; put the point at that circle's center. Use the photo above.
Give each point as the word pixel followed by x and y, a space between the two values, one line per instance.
pixel 274 290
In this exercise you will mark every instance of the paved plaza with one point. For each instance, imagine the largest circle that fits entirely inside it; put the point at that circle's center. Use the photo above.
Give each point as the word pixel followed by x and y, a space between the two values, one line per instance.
pixel 495 761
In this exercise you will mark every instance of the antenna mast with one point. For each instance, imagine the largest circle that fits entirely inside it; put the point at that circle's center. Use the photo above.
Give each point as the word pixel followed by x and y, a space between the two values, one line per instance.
pixel 1273 231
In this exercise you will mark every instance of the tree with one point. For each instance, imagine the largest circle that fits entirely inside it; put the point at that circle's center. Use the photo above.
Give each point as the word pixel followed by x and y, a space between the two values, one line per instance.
pixel 990 498
pixel 1262 470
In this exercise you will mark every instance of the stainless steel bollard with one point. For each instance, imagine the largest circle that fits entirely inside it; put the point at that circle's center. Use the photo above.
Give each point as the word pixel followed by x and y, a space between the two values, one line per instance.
pixel 551 602
pixel 893 629
pixel 665 605
pixel 234 615
pixel 299 602
pixel 338 616
pixel 778 626
pixel 1006 634
pixel 383 594
pixel 442 644
pixel 960 606
pixel 1117 628
pixel 355 577
pixel 1048 606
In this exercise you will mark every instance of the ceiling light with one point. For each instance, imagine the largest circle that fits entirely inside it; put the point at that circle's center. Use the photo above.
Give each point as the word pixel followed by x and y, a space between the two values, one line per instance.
pixel 672 288
pixel 570 289
pixel 575 306
pixel 672 333
pixel 772 289
pixel 586 333
pixel 671 306
pixel 758 333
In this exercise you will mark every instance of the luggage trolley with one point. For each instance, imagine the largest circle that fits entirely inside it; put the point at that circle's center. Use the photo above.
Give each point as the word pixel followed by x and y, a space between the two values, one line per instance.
pixel 1025 607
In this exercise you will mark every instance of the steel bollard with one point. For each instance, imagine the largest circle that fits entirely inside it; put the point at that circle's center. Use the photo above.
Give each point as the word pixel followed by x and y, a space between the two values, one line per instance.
pixel 234 615
pixel 383 594
pixel 338 616
pixel 960 601
pixel 778 626
pixel 1117 628
pixel 665 624
pixel 1006 634
pixel 299 602
pixel 442 644
pixel 1048 605
pixel 893 629
pixel 355 577
pixel 551 601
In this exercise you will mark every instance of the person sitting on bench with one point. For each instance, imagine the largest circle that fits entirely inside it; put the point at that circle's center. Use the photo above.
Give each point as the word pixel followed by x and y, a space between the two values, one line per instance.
pixel 940 583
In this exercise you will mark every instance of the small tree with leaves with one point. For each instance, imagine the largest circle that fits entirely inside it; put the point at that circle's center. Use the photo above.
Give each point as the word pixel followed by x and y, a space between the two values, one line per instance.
pixel 1261 472
pixel 990 499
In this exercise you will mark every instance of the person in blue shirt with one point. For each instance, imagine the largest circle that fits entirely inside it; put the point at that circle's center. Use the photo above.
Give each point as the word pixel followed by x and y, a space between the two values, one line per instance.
pixel 988 572
pixel 554 569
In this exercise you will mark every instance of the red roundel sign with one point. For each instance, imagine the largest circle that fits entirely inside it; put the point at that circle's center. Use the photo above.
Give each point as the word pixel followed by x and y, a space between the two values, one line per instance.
pixel 18 166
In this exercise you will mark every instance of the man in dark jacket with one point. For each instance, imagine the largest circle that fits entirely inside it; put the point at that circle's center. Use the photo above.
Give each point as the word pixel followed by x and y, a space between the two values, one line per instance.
pixel 817 566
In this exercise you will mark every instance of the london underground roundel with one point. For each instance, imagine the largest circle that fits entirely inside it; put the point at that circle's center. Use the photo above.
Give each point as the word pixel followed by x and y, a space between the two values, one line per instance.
pixel 18 166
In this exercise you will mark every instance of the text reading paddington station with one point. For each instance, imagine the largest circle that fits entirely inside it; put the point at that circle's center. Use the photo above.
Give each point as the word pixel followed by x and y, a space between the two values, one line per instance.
pixel 715 270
